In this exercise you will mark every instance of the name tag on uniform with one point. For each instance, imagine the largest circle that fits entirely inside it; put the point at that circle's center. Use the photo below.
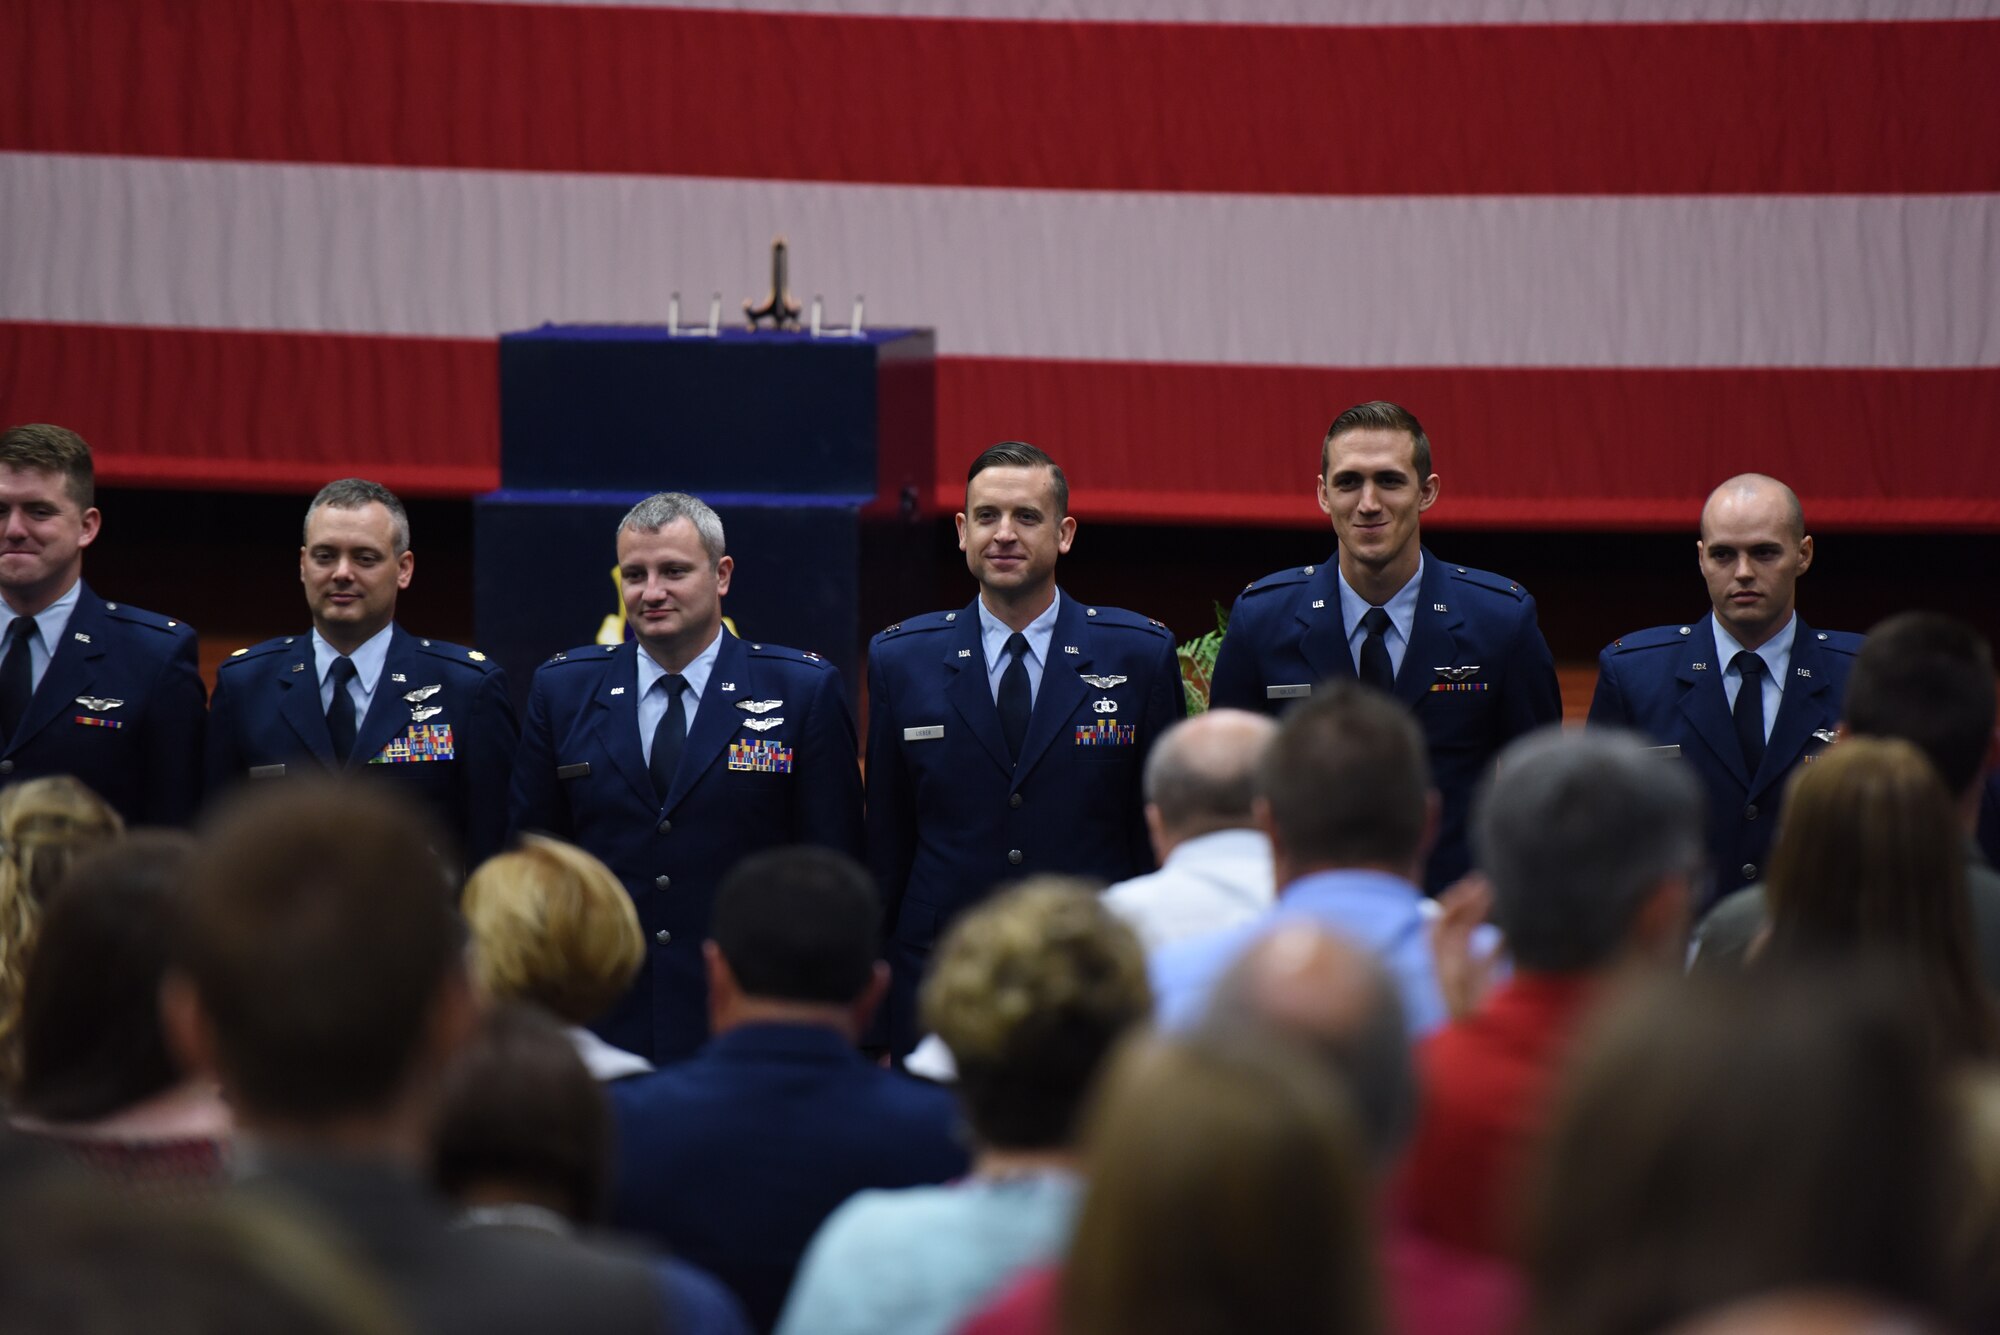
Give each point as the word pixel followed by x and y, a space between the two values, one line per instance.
pixel 1668 751
pixel 267 771
pixel 930 734
pixel 1288 692
pixel 577 771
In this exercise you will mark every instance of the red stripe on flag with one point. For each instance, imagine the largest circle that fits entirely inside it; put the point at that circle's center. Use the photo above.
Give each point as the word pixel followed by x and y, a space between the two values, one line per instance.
pixel 189 407
pixel 1516 448
pixel 1518 109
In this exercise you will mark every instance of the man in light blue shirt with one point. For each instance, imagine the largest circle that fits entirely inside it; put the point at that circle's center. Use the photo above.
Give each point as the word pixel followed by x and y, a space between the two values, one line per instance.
pixel 1344 793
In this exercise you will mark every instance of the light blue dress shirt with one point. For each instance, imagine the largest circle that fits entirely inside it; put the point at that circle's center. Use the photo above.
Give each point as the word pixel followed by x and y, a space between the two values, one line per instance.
pixel 50 623
pixel 1380 913
pixel 1777 655
pixel 653 696
pixel 1040 633
pixel 368 661
pixel 1402 610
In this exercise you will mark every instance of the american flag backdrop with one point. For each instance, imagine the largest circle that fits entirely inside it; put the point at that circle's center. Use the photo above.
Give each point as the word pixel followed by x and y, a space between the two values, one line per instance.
pixel 1609 250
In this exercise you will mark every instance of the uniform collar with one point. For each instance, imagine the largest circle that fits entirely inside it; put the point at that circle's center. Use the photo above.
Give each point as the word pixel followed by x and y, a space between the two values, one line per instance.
pixel 1401 607
pixel 52 620
pixel 695 674
pixel 1040 632
pixel 368 659
pixel 1776 651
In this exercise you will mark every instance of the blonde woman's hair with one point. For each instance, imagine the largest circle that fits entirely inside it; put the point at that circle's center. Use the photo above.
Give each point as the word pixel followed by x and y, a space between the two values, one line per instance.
pixel 552 925
pixel 45 824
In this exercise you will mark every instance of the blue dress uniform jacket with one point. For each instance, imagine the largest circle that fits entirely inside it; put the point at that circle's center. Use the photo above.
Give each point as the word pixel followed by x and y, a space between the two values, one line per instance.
pixel 1666 683
pixel 733 1158
pixel 949 817
pixel 747 781
pixel 439 728
pixel 1477 673
pixel 121 708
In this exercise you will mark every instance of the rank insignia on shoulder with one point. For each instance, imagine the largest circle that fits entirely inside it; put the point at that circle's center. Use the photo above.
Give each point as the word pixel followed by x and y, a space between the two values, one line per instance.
pixel 759 706
pixel 423 693
pixel 475 655
pixel 238 653
pixel 761 724
pixel 97 704
pixel 1103 683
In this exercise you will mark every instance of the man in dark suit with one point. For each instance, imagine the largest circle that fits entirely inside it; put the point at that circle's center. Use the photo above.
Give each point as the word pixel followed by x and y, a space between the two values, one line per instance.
pixel 102 691
pixel 734 1157
pixel 1459 647
pixel 1684 686
pixel 361 695
pixel 1008 737
pixel 1928 679
pixel 321 978
pixel 673 756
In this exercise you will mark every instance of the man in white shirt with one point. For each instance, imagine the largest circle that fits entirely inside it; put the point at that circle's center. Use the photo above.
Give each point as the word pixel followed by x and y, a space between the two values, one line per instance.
pixel 1215 864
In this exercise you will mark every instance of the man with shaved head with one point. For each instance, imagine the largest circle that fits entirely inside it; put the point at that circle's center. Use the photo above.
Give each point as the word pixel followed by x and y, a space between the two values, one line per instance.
pixel 1215 864
pixel 1748 691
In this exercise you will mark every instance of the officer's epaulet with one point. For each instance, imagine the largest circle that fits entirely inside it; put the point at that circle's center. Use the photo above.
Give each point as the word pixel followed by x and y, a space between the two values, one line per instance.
pixel 1279 579
pixel 920 623
pixel 1486 579
pixel 1655 637
pixel 589 653
pixel 139 616
pixel 1840 641
pixel 457 653
pixel 256 651
pixel 1124 620
pixel 788 654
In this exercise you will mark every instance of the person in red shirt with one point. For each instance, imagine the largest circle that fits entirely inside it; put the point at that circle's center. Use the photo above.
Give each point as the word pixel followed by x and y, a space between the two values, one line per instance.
pixel 1593 851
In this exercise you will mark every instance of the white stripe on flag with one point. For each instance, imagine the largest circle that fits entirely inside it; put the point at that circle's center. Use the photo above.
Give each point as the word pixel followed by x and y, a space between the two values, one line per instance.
pixel 1835 281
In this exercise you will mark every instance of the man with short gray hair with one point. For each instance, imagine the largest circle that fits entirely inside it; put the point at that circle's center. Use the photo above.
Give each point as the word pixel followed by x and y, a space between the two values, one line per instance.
pixel 676 754
pixel 359 694
pixel 1593 849
pixel 1215 864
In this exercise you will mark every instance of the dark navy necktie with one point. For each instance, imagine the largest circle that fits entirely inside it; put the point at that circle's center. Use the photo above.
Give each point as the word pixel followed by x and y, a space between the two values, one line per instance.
pixel 669 736
pixel 17 676
pixel 340 709
pixel 1750 708
pixel 1376 670
pixel 1016 700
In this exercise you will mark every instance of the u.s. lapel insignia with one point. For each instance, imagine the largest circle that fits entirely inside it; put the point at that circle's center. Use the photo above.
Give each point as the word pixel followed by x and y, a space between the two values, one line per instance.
pixel 618 690
pixel 1465 673
pixel 399 678
pixel 81 636
pixel 759 706
pixel 97 704
pixel 761 724
pixel 298 667
pixel 965 653
pixel 726 686
pixel 422 712
pixel 1699 667
pixel 1103 683
pixel 1439 607
pixel 1806 673
pixel 1318 603
pixel 1068 649
pixel 422 693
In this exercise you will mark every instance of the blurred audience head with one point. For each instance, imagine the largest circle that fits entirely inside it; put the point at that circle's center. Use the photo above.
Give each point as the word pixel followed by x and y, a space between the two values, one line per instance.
pixel 91 1041
pixel 45 825
pixel 1201 776
pixel 1928 679
pixel 1345 783
pixel 522 1121
pixel 323 961
pixel 552 925
pixel 1030 990
pixel 795 935
pixel 1870 859
pixel 1301 983
pixel 1229 1191
pixel 78 1256
pixel 1593 846
pixel 1726 1136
